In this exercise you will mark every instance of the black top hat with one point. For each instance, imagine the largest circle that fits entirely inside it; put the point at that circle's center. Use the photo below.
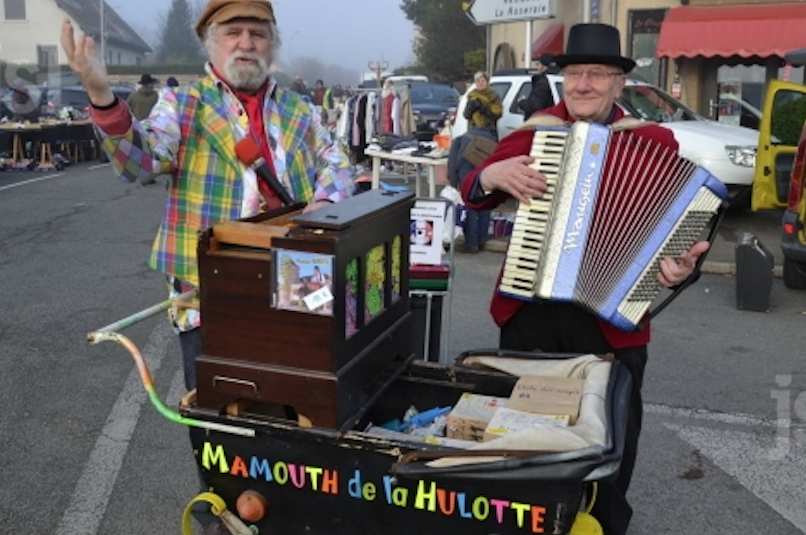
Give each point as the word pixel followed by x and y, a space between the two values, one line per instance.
pixel 594 43
pixel 146 79
pixel 546 59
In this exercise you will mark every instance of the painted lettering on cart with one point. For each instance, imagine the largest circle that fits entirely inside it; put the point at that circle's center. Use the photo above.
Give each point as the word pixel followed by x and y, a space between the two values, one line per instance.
pixel 321 480
pixel 427 496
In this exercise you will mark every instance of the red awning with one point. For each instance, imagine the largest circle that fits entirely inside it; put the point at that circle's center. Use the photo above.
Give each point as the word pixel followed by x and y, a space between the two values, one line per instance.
pixel 762 30
pixel 550 41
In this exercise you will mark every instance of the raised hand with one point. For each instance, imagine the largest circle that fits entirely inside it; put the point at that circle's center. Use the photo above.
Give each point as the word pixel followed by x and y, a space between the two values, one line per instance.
pixel 92 72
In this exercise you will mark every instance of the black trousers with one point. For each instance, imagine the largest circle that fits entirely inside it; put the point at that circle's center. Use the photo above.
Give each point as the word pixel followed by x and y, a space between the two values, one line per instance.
pixel 563 327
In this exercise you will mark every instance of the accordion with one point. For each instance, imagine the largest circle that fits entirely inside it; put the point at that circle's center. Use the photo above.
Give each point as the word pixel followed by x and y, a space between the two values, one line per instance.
pixel 615 206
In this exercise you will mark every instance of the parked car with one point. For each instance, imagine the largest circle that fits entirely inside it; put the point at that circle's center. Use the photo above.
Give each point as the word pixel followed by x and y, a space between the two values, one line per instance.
pixel 400 80
pixel 726 151
pixel 431 103
pixel 780 180
pixel 75 97
pixel 5 95
pixel 741 111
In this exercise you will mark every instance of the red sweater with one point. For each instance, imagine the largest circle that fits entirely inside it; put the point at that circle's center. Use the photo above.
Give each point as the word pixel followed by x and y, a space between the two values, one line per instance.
pixel 519 143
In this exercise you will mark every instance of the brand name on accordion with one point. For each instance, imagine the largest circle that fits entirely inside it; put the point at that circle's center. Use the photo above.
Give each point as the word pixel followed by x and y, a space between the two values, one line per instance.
pixel 581 214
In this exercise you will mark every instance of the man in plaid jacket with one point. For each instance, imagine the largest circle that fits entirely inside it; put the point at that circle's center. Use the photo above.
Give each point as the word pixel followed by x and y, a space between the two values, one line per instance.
pixel 188 141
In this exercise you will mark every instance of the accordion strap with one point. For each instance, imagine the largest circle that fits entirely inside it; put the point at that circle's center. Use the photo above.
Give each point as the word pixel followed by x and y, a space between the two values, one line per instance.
pixel 629 123
pixel 542 119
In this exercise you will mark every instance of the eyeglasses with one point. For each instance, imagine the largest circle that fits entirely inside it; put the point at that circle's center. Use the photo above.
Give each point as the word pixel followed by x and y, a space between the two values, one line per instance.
pixel 595 76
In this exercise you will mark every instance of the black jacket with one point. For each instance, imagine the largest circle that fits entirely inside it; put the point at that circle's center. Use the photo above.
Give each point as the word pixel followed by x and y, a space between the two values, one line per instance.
pixel 539 98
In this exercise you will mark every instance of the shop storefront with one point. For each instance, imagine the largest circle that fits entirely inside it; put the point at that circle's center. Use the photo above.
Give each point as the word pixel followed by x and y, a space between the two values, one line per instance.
pixel 723 55
pixel 715 57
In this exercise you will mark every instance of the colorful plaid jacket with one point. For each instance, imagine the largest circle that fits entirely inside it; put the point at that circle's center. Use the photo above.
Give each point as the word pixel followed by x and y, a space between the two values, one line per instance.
pixel 188 141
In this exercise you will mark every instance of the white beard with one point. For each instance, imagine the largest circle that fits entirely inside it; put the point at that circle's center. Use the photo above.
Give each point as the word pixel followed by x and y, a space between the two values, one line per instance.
pixel 246 77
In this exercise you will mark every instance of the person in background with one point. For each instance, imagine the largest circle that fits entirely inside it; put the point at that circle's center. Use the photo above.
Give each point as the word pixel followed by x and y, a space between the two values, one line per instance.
pixel 189 141
pixel 22 105
pixel 143 100
pixel 322 95
pixel 483 109
pixel 484 106
pixel 338 94
pixel 299 87
pixel 540 96
pixel 595 73
pixel 172 82
pixel 476 226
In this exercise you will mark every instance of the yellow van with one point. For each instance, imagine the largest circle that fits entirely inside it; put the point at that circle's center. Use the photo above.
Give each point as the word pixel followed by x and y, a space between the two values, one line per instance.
pixel 780 174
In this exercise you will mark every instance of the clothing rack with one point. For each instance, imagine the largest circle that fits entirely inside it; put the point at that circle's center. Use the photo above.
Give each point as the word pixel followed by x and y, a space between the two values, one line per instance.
pixel 369 112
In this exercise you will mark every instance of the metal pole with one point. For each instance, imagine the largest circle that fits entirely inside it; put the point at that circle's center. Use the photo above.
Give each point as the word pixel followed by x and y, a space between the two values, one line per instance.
pixel 103 32
pixel 527 52
pixel 489 48
pixel 586 11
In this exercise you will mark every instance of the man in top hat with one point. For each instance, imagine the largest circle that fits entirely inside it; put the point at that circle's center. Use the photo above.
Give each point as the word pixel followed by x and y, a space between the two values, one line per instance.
pixel 144 99
pixel 189 140
pixel 539 97
pixel 594 73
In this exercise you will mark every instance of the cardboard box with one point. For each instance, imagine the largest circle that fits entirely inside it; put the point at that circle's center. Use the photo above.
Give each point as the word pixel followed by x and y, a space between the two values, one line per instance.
pixel 470 416
pixel 506 421
pixel 548 395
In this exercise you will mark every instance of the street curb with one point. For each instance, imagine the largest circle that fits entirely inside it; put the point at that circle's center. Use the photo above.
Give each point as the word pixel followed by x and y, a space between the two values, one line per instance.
pixel 499 245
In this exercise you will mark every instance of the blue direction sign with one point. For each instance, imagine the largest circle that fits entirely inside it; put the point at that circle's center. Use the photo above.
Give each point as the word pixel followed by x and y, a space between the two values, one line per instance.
pixel 493 11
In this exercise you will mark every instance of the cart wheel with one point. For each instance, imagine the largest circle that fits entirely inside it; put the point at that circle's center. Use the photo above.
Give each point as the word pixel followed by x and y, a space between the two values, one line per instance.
pixel 586 524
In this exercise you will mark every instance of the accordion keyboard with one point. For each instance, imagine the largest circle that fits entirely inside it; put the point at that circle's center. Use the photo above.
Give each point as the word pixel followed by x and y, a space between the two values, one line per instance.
pixel 531 221
pixel 687 230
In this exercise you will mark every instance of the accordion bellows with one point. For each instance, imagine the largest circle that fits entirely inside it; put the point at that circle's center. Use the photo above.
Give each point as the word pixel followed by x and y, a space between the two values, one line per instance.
pixel 616 205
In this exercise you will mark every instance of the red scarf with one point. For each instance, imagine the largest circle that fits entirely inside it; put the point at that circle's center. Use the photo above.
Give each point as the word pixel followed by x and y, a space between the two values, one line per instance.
pixel 257 129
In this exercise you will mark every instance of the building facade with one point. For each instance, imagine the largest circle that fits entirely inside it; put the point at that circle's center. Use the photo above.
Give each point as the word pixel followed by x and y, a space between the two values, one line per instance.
pixel 30 31
pixel 697 50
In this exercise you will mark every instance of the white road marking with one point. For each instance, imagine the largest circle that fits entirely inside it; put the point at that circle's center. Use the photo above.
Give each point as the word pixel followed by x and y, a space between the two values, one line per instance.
pixel 31 181
pixel 750 459
pixel 694 414
pixel 91 495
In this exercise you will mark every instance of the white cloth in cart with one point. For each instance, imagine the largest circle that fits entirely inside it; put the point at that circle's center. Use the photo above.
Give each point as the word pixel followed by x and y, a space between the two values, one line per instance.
pixel 590 429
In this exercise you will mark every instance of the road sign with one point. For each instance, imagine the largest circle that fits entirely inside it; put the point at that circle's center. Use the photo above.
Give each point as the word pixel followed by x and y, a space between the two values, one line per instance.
pixel 493 11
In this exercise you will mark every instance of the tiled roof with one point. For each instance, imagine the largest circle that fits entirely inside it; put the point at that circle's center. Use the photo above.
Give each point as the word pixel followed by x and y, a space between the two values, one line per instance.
pixel 87 13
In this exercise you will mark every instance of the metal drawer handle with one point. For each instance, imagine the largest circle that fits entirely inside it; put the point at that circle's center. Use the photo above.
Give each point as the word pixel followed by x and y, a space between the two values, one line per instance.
pixel 241 382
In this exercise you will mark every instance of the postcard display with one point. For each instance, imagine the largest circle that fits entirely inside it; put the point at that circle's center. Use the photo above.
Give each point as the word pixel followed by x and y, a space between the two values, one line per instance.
pixel 306 310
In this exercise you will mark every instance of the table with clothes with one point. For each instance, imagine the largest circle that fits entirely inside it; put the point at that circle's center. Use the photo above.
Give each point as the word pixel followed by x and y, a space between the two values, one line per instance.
pixel 408 150
pixel 45 145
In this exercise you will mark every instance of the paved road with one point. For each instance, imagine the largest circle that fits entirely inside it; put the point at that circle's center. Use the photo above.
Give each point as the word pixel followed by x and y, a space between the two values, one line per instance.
pixel 84 453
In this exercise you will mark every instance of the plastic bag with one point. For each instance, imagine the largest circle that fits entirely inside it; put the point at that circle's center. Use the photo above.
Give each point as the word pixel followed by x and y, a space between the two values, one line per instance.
pixel 455 213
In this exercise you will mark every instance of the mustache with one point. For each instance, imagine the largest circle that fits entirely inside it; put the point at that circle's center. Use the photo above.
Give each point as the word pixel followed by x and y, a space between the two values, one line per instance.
pixel 253 56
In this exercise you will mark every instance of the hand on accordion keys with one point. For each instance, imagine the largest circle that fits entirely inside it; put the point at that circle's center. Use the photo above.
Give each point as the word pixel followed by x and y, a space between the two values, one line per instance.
pixel 674 272
pixel 514 176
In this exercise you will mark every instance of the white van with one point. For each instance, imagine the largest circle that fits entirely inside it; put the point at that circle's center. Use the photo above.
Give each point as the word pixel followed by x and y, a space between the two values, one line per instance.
pixel 727 151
